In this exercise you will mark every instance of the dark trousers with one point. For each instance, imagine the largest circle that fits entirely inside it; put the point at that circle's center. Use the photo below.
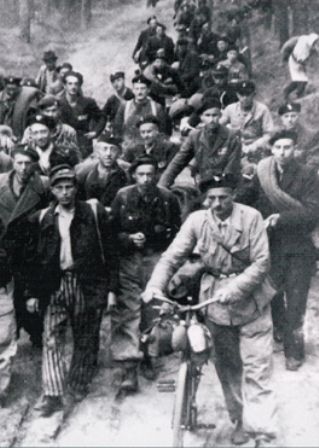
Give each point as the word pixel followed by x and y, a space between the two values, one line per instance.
pixel 292 275
pixel 297 86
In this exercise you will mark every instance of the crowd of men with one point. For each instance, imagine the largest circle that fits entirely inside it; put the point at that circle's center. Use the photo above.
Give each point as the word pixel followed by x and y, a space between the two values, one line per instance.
pixel 90 222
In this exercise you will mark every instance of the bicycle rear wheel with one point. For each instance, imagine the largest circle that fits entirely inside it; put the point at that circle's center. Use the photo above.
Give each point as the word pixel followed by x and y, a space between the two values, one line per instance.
pixel 181 404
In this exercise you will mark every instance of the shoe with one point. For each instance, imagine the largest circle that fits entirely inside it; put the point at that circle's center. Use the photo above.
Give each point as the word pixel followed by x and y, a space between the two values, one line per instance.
pixel 148 369
pixel 264 441
pixel 76 396
pixel 293 364
pixel 50 405
pixel 130 382
pixel 239 436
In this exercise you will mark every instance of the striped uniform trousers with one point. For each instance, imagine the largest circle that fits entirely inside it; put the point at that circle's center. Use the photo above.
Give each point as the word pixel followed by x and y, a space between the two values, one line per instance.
pixel 68 305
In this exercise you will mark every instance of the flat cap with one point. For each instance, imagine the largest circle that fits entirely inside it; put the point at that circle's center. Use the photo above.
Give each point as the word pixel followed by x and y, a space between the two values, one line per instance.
pixel 25 150
pixel 246 87
pixel 226 180
pixel 116 75
pixel 49 122
pixel 49 56
pixel 148 119
pixel 61 172
pixel 143 160
pixel 289 107
pixel 283 133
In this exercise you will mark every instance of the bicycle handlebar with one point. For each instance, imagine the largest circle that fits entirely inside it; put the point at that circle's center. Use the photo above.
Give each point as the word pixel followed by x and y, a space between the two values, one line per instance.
pixel 186 307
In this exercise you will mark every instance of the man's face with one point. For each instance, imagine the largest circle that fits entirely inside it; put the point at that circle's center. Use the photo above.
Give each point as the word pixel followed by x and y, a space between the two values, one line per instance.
pixel 160 31
pixel 145 176
pixel 51 65
pixel 72 85
pixel 246 101
pixel 40 135
pixel 149 132
pixel 283 151
pixel 220 201
pixel 289 119
pixel 205 28
pixel 222 45
pixel 220 81
pixel 22 165
pixel 152 24
pixel 211 117
pixel 64 192
pixel 118 84
pixel 52 111
pixel 107 154
pixel 12 90
pixel 140 91
pixel 232 55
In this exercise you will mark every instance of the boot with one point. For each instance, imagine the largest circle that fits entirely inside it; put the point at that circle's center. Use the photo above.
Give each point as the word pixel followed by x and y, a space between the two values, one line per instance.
pixel 239 436
pixel 50 405
pixel 148 369
pixel 130 382
pixel 293 364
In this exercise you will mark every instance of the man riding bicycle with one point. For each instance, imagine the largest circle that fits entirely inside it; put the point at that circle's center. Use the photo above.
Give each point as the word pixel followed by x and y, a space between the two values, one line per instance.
pixel 231 241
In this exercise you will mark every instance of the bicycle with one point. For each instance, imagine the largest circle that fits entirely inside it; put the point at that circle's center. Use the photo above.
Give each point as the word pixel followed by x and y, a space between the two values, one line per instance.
pixel 194 341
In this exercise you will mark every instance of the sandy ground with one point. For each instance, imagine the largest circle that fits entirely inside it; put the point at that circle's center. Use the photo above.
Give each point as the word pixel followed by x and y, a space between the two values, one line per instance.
pixel 145 418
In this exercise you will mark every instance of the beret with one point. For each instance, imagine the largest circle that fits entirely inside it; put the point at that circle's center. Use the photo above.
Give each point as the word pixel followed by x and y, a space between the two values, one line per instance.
pixel 143 160
pixel 245 87
pixel 61 172
pixel 49 56
pixel 75 74
pixel 148 119
pixel 283 133
pixel 117 75
pixel 140 79
pixel 289 107
pixel 48 101
pixel 226 180
pixel 26 150
pixel 29 82
pixel 13 80
pixel 110 139
pixel 49 122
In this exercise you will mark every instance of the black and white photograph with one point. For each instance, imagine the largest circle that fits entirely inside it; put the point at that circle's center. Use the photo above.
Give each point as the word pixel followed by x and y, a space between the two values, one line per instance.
pixel 159 223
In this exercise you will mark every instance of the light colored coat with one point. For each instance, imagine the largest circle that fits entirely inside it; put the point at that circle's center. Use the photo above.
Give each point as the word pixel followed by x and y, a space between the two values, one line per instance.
pixel 246 238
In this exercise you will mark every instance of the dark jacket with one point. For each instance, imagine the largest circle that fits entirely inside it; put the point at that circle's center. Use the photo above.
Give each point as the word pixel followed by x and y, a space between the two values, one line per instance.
pixel 95 276
pixel 113 103
pixel 189 69
pixel 91 187
pixel 292 233
pixel 14 212
pixel 215 153
pixel 155 43
pixel 158 218
pixel 141 43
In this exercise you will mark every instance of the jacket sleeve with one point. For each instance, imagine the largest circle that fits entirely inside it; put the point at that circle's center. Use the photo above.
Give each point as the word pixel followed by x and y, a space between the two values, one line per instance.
pixel 233 164
pixel 175 255
pixel 118 124
pixel 179 162
pixel 96 116
pixel 139 44
pixel 109 243
pixel 123 238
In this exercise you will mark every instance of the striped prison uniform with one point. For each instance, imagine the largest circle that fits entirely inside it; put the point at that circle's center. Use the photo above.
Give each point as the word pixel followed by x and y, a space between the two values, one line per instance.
pixel 68 304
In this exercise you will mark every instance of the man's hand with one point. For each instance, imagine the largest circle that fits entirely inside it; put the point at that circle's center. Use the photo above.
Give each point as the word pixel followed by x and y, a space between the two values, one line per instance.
pixel 90 135
pixel 272 220
pixel 33 305
pixel 224 296
pixel 138 239
pixel 150 293
pixel 111 302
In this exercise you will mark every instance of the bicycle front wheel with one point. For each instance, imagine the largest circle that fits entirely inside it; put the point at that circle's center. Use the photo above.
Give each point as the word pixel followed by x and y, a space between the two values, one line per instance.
pixel 180 405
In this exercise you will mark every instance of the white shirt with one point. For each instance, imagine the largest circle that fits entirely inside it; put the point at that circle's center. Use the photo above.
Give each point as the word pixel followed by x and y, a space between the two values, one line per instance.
pixel 44 156
pixel 65 218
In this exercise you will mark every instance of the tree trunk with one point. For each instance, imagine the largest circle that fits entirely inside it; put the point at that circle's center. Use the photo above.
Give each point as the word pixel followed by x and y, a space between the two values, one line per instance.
pixel 300 16
pixel 281 20
pixel 25 15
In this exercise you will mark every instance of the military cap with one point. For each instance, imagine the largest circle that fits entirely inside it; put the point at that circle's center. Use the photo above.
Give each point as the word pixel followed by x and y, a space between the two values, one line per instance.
pixel 283 133
pixel 116 75
pixel 16 80
pixel 246 87
pixel 25 150
pixel 209 103
pixel 61 172
pixel 148 119
pixel 289 107
pixel 48 101
pixel 49 122
pixel 110 139
pixel 226 180
pixel 220 71
pixel 143 160
pixel 151 18
pixel 29 82
pixel 140 79
pixel 77 75
pixel 49 56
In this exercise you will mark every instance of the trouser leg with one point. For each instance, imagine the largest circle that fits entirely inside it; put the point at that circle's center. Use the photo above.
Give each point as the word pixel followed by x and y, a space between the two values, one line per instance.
pixel 148 313
pixel 53 361
pixel 126 318
pixel 96 334
pixel 297 283
pixel 84 321
pixel 256 349
pixel 278 313
pixel 228 366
